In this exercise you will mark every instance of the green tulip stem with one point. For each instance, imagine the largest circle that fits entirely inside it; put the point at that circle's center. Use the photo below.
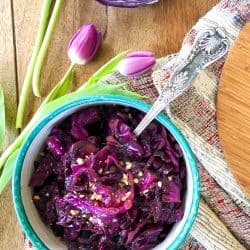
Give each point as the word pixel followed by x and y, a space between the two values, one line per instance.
pixel 68 72
pixel 28 77
pixel 62 87
pixel 44 47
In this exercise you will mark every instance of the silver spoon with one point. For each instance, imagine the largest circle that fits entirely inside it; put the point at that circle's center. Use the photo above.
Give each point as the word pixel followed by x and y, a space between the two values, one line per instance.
pixel 209 46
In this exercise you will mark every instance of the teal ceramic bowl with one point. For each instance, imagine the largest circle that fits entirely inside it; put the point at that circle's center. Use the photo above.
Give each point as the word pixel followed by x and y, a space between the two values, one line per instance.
pixel 40 235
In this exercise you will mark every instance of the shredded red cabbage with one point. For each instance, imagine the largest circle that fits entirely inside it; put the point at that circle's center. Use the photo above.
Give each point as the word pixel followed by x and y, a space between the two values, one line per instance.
pixel 99 187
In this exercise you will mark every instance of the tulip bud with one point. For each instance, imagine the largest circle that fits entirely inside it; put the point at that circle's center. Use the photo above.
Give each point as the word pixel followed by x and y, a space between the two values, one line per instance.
pixel 136 63
pixel 84 44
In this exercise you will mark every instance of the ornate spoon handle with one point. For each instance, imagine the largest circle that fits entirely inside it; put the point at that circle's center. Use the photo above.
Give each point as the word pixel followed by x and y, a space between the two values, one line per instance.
pixel 209 46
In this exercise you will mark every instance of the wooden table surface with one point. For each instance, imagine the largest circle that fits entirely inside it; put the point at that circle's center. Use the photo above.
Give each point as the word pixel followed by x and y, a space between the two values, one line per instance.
pixel 159 28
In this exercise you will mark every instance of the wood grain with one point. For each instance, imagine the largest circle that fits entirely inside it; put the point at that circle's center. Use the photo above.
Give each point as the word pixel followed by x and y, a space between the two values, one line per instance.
pixel 233 109
pixel 9 227
pixel 159 28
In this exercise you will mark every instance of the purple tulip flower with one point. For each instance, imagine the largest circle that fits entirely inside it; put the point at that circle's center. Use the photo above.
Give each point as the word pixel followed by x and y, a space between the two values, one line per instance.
pixel 84 44
pixel 136 63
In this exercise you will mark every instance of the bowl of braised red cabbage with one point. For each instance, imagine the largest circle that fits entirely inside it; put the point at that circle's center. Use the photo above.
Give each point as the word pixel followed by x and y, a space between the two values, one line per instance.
pixel 84 180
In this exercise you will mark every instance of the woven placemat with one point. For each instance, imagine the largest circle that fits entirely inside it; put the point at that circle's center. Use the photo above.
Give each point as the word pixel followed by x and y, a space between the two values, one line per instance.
pixel 223 221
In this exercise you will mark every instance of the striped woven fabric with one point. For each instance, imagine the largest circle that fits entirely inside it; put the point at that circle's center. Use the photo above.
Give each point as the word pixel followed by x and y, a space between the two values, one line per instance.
pixel 223 221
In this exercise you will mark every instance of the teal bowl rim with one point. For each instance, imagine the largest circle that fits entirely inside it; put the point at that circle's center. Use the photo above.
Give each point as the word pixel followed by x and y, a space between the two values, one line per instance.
pixel 112 99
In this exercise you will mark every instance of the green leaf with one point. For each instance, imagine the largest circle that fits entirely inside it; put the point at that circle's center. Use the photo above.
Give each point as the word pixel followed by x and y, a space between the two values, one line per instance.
pixel 99 89
pixel 44 47
pixel 88 91
pixel 62 87
pixel 128 93
pixel 107 68
pixel 8 169
pixel 2 117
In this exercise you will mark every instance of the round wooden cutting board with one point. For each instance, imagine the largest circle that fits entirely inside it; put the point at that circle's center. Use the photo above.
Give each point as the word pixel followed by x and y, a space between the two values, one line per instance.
pixel 233 109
